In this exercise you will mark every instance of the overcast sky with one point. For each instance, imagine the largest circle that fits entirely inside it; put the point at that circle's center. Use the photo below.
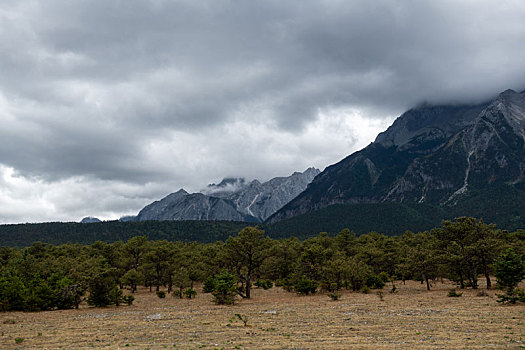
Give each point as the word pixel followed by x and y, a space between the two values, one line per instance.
pixel 107 105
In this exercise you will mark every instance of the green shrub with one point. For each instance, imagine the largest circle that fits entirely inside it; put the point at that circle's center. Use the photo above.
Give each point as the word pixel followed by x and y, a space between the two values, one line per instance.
pixel 383 276
pixel 102 291
pixel 306 286
pixel 394 289
pixel 285 283
pixel 374 282
pixel 329 287
pixel 511 296
pixel 208 285
pixel 453 294
pixel 225 288
pixel 509 269
pixel 334 296
pixel 243 318
pixel 190 293
pixel 161 294
pixel 128 299
pixel 264 284
pixel 365 290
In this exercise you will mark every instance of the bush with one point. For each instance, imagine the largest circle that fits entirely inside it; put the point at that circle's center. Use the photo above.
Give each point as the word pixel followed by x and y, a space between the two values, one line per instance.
pixel 102 291
pixel 329 287
pixel 365 290
pixel 509 269
pixel 375 282
pixel 161 294
pixel 306 286
pixel 384 277
pixel 128 299
pixel 264 284
pixel 116 296
pixel 190 293
pixel 285 283
pixel 334 296
pixel 394 289
pixel 453 294
pixel 243 318
pixel 208 285
pixel 511 297
pixel 225 289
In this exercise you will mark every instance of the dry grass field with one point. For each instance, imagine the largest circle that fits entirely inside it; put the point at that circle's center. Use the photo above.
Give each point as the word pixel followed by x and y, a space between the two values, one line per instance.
pixel 411 318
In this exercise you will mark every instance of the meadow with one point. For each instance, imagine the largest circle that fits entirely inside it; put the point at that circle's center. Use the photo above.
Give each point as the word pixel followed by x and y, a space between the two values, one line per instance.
pixel 276 319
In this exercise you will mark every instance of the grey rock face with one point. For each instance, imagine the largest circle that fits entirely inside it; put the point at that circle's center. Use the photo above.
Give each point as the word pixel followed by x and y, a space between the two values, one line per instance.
pixel 232 199
pixel 430 154
pixel 261 200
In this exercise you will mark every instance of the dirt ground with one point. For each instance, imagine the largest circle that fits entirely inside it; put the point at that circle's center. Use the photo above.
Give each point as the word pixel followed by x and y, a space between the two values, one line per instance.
pixel 410 318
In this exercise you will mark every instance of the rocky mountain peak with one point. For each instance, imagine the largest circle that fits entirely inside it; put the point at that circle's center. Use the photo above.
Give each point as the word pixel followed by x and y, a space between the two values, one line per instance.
pixel 428 119
pixel 435 155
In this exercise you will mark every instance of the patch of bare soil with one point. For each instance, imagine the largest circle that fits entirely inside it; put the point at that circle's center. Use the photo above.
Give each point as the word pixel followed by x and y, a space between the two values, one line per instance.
pixel 276 319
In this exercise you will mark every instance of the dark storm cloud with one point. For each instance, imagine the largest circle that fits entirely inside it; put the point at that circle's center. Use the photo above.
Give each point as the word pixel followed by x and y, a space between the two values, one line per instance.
pixel 160 91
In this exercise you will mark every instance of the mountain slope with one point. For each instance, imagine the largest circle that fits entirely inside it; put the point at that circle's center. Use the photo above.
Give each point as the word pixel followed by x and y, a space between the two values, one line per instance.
pixel 261 200
pixel 435 155
pixel 233 199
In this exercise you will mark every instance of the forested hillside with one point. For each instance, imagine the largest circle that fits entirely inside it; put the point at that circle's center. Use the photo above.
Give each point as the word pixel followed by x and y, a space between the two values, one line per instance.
pixel 498 204
pixel 23 235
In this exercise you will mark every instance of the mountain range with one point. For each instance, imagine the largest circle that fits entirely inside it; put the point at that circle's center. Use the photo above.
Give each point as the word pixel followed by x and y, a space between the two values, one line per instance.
pixel 459 158
pixel 233 199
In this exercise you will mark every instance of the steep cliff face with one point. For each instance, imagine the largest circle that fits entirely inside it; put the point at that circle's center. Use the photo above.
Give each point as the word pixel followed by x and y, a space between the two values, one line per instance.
pixel 430 154
pixel 233 199
pixel 261 200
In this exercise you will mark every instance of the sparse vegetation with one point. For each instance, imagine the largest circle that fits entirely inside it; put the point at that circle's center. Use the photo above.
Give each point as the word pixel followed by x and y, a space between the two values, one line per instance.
pixel 281 319
pixel 453 294
pixel 334 296
pixel 306 286
pixel 264 284
pixel 128 299
pixel 190 293
pixel 243 318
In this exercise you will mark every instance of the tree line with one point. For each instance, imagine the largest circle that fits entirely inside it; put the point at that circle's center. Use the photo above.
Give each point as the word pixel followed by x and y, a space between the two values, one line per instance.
pixel 464 250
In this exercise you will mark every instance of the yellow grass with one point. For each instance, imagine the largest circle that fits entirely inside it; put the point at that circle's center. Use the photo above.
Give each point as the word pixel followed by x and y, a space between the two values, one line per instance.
pixel 411 318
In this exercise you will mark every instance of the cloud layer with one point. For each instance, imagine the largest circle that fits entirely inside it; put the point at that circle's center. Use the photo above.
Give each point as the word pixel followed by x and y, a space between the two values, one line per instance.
pixel 107 105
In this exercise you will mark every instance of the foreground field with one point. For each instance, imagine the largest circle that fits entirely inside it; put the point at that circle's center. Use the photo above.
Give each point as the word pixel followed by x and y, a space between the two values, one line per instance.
pixel 277 319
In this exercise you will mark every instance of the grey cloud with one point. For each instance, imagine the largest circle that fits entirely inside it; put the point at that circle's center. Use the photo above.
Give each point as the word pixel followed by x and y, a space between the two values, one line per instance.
pixel 152 91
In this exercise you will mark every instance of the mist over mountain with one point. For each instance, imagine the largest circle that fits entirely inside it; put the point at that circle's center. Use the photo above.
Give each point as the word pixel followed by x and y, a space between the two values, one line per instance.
pixel 434 155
